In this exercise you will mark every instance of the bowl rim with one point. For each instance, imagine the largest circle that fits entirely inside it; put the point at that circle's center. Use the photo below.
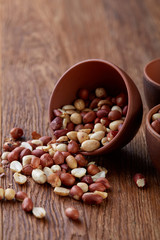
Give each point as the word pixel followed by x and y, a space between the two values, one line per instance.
pixel 148 118
pixel 147 78
pixel 124 76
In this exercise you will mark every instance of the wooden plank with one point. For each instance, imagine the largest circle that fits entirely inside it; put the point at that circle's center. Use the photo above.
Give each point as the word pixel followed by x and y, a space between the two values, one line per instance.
pixel 40 40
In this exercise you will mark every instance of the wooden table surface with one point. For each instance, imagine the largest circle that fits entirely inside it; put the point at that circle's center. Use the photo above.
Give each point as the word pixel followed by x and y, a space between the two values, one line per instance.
pixel 39 40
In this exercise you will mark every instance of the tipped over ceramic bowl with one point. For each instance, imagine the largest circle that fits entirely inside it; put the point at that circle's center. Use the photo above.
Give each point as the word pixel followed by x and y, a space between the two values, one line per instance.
pixel 153 136
pixel 91 74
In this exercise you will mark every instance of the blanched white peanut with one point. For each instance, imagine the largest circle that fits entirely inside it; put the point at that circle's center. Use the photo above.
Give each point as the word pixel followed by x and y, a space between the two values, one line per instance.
pixel 39 176
pixel 155 116
pixel 72 135
pixel 68 107
pixel 4 155
pixel 37 142
pixel 16 166
pixel 62 139
pixel 104 141
pixel 76 118
pixel 90 145
pixel 26 145
pixel 114 125
pixel 78 172
pixel 82 136
pixel 98 175
pixel 39 212
pixel 83 186
pixel 79 104
pixel 62 147
pixel 55 168
pixel 99 127
pixel 100 92
pixel 102 102
pixel 54 146
pixel 27 159
pixel 51 152
pixel 86 130
pixel 104 195
pixel 1 193
pixel 66 120
pixel 116 108
pixel 9 194
pixel 98 135
pixel 19 178
pixel 61 191
pixel 71 162
pixel 103 169
pixel 48 171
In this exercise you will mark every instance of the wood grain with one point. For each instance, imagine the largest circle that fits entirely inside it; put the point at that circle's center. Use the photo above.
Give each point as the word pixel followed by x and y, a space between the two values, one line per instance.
pixel 39 40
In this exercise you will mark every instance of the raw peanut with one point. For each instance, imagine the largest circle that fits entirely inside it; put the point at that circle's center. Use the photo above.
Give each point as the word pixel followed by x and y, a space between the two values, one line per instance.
pixel 46 160
pixel 45 140
pixel 121 100
pixel 9 194
pixel 19 178
pixel 27 204
pixel 37 142
pixel 125 109
pixel 78 172
pixel 16 133
pixel 116 108
pixel 39 176
pixel 78 127
pixel 39 212
pixel 97 186
pixel 68 107
pixel 57 113
pixel 58 158
pixel 72 213
pixel 64 167
pixel 76 192
pixel 27 170
pixel 111 135
pixel 85 130
pixel 62 139
pixel 62 147
pixel 56 124
pixel 90 145
pixel 105 121
pixel 94 103
pixel 55 168
pixel 104 141
pixel 100 93
pixel 51 152
pixel 61 191
pixel 83 186
pixel 99 127
pixel 97 120
pixel 16 166
pixel 89 126
pixel 83 93
pixel 24 153
pixel 27 145
pixel 35 162
pixel 61 132
pixel 38 152
pixel 87 179
pixel 92 169
pixel 97 135
pixel 4 162
pixel 70 126
pixel 73 147
pixel 71 162
pixel 48 171
pixel 65 154
pixel 81 160
pixel 79 104
pixel 82 136
pixel 76 118
pixel 10 145
pixel 155 116
pixel 101 113
pixel 89 117
pixel 114 115
pixel 5 155
pixel 104 195
pixel 104 181
pixel 67 179
pixel 26 160
pixel 103 104
pixel 35 135
pixel 20 196
pixel 92 198
pixel 114 125
pixel 82 114
pixel 139 180
pixel 13 156
pixel 66 120
pixel 2 192
pixel 156 126
pixel 99 175
pixel 1 170
pixel 72 135
pixel 54 180
pixel 69 112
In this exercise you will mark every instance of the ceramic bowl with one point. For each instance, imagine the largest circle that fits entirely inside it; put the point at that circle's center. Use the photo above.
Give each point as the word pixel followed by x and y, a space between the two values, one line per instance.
pixel 95 73
pixel 153 139
pixel 151 82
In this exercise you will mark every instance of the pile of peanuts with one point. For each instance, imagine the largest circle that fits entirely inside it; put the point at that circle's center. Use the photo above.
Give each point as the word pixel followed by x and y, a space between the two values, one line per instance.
pixel 92 121
pixel 156 121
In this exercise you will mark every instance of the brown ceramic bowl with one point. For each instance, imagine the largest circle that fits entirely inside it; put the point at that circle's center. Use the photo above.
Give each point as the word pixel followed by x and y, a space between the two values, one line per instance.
pixel 151 82
pixel 95 73
pixel 153 139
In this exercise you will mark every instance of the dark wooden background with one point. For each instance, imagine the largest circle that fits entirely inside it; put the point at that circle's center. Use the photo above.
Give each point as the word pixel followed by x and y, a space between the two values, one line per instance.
pixel 39 40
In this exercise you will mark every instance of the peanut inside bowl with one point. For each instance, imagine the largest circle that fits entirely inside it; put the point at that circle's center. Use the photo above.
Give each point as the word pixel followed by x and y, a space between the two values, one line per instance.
pixel 92 74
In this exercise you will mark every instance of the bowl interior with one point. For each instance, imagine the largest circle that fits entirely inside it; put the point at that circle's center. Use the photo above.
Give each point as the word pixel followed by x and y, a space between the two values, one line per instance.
pixel 152 71
pixel 148 121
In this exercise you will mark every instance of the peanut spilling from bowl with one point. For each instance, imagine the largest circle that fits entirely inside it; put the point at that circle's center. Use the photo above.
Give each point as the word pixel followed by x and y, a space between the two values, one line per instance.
pixel 91 121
